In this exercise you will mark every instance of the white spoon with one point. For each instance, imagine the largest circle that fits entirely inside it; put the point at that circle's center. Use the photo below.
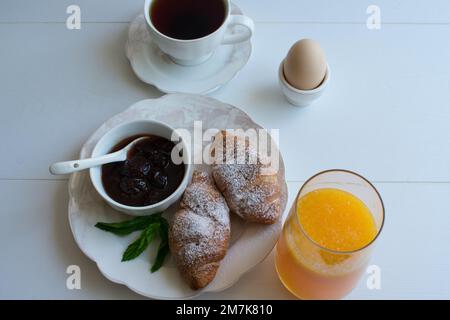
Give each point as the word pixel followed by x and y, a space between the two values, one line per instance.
pixel 66 167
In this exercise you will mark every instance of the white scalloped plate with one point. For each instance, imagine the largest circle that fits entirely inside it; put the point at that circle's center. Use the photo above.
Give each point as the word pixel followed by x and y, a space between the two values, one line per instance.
pixel 154 67
pixel 250 243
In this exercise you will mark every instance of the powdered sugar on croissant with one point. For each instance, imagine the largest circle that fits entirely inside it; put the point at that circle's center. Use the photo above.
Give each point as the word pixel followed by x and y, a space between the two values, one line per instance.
pixel 250 188
pixel 200 231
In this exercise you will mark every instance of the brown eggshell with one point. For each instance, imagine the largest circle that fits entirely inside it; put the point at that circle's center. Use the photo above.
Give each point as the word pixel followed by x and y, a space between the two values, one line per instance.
pixel 305 65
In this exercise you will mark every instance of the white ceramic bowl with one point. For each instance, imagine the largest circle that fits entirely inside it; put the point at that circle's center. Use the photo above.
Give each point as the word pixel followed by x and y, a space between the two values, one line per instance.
pixel 123 131
pixel 299 97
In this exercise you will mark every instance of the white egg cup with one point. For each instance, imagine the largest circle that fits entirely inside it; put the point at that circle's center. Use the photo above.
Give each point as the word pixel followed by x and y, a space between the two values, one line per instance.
pixel 298 97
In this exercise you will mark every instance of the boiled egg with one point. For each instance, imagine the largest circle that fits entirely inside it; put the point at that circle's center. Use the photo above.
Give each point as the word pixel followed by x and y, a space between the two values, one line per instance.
pixel 305 65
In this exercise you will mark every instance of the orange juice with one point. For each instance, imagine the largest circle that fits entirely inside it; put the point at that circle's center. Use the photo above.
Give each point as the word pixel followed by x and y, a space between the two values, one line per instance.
pixel 318 255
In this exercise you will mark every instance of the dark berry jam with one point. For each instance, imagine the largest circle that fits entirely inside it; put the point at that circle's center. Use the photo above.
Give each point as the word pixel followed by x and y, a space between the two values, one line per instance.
pixel 147 176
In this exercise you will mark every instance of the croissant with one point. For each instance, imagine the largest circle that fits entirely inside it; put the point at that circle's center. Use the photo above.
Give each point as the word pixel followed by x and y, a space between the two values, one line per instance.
pixel 200 231
pixel 251 189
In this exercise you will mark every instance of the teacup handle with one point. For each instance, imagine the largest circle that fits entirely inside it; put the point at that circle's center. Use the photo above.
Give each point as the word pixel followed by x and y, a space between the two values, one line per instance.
pixel 237 19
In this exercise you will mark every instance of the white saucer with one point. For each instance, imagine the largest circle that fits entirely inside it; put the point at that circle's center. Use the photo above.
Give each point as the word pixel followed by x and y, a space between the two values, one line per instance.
pixel 250 242
pixel 156 68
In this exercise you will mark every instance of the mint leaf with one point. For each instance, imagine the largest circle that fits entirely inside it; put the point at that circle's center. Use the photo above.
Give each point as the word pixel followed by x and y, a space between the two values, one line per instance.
pixel 128 226
pixel 141 243
pixel 151 226
pixel 163 248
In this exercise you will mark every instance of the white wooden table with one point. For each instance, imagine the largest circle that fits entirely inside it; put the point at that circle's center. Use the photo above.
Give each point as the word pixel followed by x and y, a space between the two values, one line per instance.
pixel 386 115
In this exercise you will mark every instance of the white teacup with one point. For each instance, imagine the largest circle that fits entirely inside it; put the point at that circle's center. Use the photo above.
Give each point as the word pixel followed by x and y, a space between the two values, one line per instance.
pixel 196 51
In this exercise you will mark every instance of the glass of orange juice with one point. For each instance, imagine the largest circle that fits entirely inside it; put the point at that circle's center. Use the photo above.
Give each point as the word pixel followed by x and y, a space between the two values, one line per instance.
pixel 329 234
